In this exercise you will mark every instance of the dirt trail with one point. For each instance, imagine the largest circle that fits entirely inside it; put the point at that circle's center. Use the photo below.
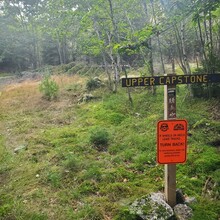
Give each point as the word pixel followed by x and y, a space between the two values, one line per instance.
pixel 8 80
pixel 4 81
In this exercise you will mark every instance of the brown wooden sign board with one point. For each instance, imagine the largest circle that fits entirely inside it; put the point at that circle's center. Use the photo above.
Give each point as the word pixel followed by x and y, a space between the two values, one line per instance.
pixel 170 80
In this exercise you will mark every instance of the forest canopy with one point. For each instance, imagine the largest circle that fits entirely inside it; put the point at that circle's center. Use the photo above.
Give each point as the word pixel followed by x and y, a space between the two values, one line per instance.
pixel 34 33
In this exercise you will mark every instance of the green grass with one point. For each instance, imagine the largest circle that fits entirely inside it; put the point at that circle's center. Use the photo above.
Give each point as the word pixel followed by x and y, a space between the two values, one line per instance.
pixel 64 175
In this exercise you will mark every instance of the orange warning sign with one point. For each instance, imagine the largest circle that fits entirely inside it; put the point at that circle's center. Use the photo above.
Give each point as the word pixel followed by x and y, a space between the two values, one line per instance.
pixel 171 141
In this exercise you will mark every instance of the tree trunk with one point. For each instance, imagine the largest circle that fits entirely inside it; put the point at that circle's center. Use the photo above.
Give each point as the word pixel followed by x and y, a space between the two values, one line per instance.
pixel 172 58
pixel 116 64
pixel 158 38
pixel 150 54
pixel 64 50
pixel 95 25
pixel 144 4
pixel 203 46
pixel 59 49
pixel 179 48
pixel 128 89
pixel 185 60
pixel 212 61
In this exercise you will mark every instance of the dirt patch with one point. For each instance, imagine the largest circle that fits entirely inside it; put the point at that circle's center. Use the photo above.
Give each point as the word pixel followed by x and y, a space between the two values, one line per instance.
pixel 4 81
pixel 16 79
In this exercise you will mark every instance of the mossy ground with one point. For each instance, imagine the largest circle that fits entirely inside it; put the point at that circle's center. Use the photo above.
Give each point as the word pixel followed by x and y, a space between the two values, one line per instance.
pixel 62 175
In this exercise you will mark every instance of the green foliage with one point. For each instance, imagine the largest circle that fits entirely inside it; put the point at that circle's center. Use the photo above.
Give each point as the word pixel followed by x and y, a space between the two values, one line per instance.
pixel 99 138
pixel 78 182
pixel 88 212
pixel 93 84
pixel 49 88
pixel 115 118
pixel 109 116
pixel 209 90
pixel 4 154
pixel 141 161
pixel 6 206
pixel 5 159
pixel 93 172
pixel 35 216
pixel 206 209
pixel 55 179
pixel 125 214
pixel 207 162
pixel 72 163
pixel 74 87
pixel 116 190
pixel 206 90
pixel 67 67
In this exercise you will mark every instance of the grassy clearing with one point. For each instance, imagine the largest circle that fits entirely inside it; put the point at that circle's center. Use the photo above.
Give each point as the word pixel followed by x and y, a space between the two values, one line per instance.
pixel 71 169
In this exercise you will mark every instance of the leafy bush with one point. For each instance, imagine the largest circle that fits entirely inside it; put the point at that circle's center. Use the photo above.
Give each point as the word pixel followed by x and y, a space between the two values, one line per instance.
pixel 206 91
pixel 49 88
pixel 93 84
pixel 99 137
pixel 116 118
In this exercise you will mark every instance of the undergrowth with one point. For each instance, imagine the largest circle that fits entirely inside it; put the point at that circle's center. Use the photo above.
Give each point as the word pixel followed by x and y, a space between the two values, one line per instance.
pixel 91 160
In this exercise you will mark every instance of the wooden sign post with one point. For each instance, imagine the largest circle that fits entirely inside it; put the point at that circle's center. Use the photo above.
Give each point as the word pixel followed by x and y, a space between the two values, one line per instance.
pixel 169 82
pixel 170 169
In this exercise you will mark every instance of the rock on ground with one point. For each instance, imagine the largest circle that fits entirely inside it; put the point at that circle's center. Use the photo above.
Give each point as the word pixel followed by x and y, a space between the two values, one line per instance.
pixel 183 212
pixel 152 207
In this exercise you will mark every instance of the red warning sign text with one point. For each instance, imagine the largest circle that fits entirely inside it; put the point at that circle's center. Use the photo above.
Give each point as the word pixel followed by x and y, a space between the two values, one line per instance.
pixel 171 141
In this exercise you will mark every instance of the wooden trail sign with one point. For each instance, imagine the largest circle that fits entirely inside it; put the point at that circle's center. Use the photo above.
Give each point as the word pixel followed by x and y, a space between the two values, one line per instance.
pixel 170 168
pixel 170 80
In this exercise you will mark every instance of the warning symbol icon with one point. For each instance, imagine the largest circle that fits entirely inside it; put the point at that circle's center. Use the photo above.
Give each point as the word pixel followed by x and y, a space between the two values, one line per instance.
pixel 164 127
pixel 179 127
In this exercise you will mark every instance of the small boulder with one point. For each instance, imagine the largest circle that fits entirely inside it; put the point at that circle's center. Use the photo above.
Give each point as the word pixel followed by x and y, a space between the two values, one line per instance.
pixel 87 97
pixel 151 207
pixel 190 200
pixel 183 212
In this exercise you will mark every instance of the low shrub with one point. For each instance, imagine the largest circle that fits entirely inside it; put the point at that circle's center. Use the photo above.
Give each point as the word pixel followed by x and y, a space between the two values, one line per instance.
pixel 93 84
pixel 99 138
pixel 54 178
pixel 49 88
pixel 72 164
pixel 206 91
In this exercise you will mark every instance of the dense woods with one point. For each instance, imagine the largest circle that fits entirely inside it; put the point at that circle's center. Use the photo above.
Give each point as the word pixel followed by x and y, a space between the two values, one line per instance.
pixel 110 33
